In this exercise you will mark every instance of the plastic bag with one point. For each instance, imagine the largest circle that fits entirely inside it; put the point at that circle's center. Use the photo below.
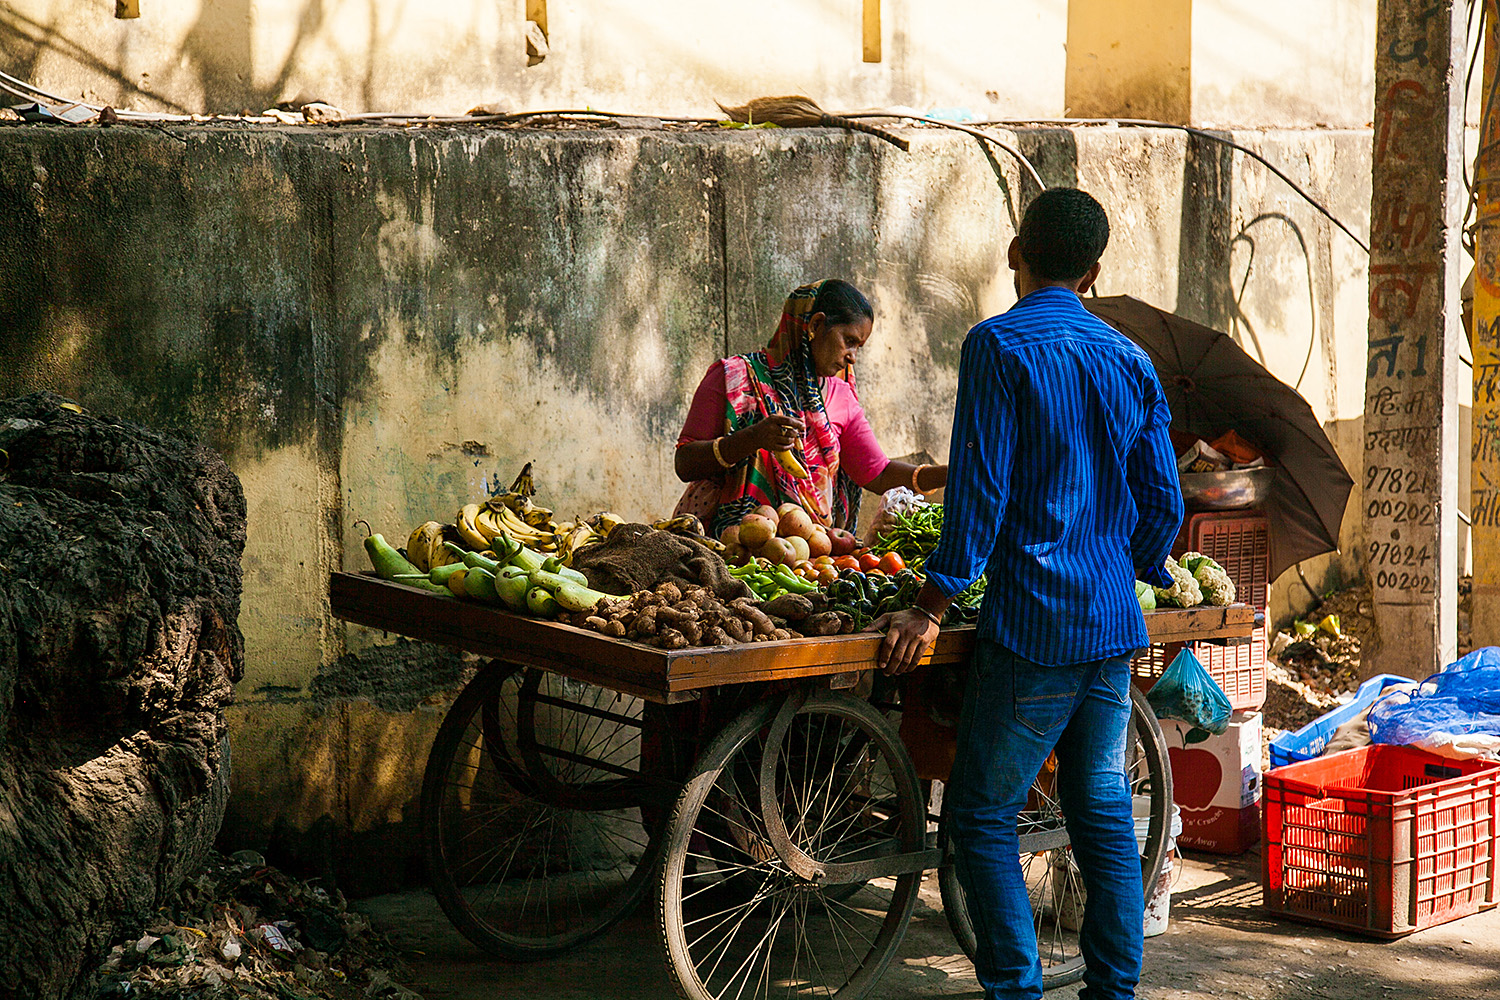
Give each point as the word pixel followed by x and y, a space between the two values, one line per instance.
pixel 898 500
pixel 1455 713
pixel 1188 692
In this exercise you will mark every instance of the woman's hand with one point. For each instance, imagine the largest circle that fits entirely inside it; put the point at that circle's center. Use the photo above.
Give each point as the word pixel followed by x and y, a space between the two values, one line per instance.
pixel 776 433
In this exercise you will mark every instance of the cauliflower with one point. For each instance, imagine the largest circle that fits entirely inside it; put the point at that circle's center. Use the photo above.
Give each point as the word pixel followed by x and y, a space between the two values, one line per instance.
pixel 1184 592
pixel 1217 588
pixel 1145 595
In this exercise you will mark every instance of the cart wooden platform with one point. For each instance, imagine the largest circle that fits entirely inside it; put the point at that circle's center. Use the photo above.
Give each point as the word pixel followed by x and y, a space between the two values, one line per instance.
pixel 778 816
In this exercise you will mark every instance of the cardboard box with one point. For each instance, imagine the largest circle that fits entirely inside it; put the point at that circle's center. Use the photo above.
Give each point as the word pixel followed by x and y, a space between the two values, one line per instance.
pixel 1216 784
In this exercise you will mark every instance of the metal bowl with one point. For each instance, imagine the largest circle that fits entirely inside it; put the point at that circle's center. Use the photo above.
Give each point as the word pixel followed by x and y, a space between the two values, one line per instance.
pixel 1226 490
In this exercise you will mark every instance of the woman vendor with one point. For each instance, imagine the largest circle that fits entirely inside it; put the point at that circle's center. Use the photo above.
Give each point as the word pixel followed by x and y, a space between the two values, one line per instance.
pixel 784 424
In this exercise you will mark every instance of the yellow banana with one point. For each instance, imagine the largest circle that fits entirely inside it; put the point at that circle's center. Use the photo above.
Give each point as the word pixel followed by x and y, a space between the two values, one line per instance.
pixel 419 545
pixel 569 542
pixel 518 529
pixel 486 524
pixel 468 532
pixel 537 517
pixel 604 522
pixel 789 462
pixel 523 484
pixel 440 555
pixel 688 523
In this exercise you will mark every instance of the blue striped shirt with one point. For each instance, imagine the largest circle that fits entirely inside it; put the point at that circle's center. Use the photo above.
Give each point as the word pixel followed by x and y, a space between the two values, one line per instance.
pixel 1062 482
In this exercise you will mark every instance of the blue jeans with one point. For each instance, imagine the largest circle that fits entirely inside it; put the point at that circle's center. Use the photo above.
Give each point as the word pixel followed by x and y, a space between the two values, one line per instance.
pixel 1015 713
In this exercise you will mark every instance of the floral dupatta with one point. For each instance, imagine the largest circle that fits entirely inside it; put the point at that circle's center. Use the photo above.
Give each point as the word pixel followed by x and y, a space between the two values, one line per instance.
pixel 781 379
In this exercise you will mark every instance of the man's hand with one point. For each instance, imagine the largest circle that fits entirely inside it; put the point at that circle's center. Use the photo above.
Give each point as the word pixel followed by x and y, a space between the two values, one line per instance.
pixel 907 635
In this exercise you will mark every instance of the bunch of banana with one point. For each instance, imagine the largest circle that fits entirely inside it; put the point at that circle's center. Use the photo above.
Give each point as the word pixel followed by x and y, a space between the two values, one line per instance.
pixel 508 522
pixel 425 548
pixel 573 536
pixel 688 524
pixel 604 522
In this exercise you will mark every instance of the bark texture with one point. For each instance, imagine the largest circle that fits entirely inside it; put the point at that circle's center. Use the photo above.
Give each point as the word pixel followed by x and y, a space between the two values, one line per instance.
pixel 119 648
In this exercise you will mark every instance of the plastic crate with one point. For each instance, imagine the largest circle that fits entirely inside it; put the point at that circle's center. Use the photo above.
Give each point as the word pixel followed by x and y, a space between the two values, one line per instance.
pixel 1383 840
pixel 1309 741
pixel 1239 669
pixel 1238 540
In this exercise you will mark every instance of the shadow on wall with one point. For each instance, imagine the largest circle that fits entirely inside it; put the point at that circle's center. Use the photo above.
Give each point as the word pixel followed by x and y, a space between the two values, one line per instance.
pixel 221 47
pixel 24 41
pixel 1204 292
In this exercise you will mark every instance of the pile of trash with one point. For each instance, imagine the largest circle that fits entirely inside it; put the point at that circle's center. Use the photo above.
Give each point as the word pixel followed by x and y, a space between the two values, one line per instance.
pixel 240 928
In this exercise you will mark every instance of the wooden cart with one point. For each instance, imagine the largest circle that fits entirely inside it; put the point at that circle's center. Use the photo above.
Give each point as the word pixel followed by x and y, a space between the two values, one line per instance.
pixel 778 816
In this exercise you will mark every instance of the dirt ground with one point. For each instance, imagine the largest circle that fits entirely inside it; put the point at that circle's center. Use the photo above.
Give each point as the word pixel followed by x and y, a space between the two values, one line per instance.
pixel 1219 943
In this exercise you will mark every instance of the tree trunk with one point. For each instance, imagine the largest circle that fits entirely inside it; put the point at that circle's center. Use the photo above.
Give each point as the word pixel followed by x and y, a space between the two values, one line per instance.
pixel 119 648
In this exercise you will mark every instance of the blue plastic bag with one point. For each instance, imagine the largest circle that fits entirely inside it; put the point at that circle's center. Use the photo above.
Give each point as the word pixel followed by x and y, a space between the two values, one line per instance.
pixel 1188 692
pixel 1455 712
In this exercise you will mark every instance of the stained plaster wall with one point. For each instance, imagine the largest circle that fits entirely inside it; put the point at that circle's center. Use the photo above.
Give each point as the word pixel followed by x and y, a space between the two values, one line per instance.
pixel 378 325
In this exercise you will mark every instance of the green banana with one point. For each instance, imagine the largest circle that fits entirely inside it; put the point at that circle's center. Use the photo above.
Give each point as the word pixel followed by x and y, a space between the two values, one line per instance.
pixel 541 603
pixel 570 594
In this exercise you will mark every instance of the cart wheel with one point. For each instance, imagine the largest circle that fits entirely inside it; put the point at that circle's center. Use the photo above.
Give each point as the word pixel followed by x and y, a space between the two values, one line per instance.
pixel 519 861
pixel 735 921
pixel 1052 878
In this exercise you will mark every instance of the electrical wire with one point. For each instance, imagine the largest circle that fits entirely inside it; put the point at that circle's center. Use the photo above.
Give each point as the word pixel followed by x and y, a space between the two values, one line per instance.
pixel 959 126
pixel 1202 134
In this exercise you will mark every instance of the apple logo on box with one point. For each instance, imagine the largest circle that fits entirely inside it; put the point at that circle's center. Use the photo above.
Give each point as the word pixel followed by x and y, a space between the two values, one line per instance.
pixel 1195 777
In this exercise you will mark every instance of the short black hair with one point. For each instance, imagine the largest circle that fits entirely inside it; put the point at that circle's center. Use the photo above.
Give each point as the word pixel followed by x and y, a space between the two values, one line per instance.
pixel 1063 234
pixel 841 303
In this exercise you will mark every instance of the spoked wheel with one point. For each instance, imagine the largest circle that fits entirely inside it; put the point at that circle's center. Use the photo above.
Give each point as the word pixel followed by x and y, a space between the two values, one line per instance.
pixel 736 921
pixel 535 815
pixel 1052 878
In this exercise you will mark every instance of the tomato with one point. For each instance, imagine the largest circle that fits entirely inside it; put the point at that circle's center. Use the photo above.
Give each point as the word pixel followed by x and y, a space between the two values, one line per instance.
pixel 891 563
pixel 868 561
pixel 846 562
pixel 827 573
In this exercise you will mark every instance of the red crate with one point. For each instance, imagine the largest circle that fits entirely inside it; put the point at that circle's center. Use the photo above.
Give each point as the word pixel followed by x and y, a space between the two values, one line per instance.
pixel 1383 840
pixel 1239 669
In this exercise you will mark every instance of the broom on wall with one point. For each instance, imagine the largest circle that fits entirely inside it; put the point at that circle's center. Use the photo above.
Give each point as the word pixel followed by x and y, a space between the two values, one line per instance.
pixel 803 112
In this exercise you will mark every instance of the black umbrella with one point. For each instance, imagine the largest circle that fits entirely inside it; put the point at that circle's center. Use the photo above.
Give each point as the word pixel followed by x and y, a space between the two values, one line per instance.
pixel 1213 386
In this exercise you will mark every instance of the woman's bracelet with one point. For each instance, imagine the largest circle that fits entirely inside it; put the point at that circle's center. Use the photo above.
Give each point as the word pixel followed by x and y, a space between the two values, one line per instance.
pixel 718 457
pixel 914 474
pixel 930 616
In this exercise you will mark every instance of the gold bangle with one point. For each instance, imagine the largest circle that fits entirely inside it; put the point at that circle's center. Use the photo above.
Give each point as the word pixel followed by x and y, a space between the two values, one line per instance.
pixel 718 457
pixel 914 474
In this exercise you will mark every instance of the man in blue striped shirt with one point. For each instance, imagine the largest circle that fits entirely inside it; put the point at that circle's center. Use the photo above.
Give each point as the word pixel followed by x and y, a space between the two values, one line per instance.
pixel 1062 489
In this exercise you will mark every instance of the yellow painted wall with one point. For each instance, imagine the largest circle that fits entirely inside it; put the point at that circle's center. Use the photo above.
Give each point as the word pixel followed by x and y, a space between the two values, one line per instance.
pixel 1130 59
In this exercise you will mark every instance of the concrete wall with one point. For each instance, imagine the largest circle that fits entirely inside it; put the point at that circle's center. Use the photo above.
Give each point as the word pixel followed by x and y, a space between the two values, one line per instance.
pixel 376 325
pixel 1279 63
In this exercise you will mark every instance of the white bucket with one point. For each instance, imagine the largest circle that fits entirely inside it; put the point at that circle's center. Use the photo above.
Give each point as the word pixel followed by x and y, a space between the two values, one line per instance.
pixel 1161 901
pixel 1067 891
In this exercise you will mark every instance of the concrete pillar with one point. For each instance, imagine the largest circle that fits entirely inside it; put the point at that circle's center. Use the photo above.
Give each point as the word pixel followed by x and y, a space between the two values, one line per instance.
pixel 1130 59
pixel 1484 498
pixel 1411 413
